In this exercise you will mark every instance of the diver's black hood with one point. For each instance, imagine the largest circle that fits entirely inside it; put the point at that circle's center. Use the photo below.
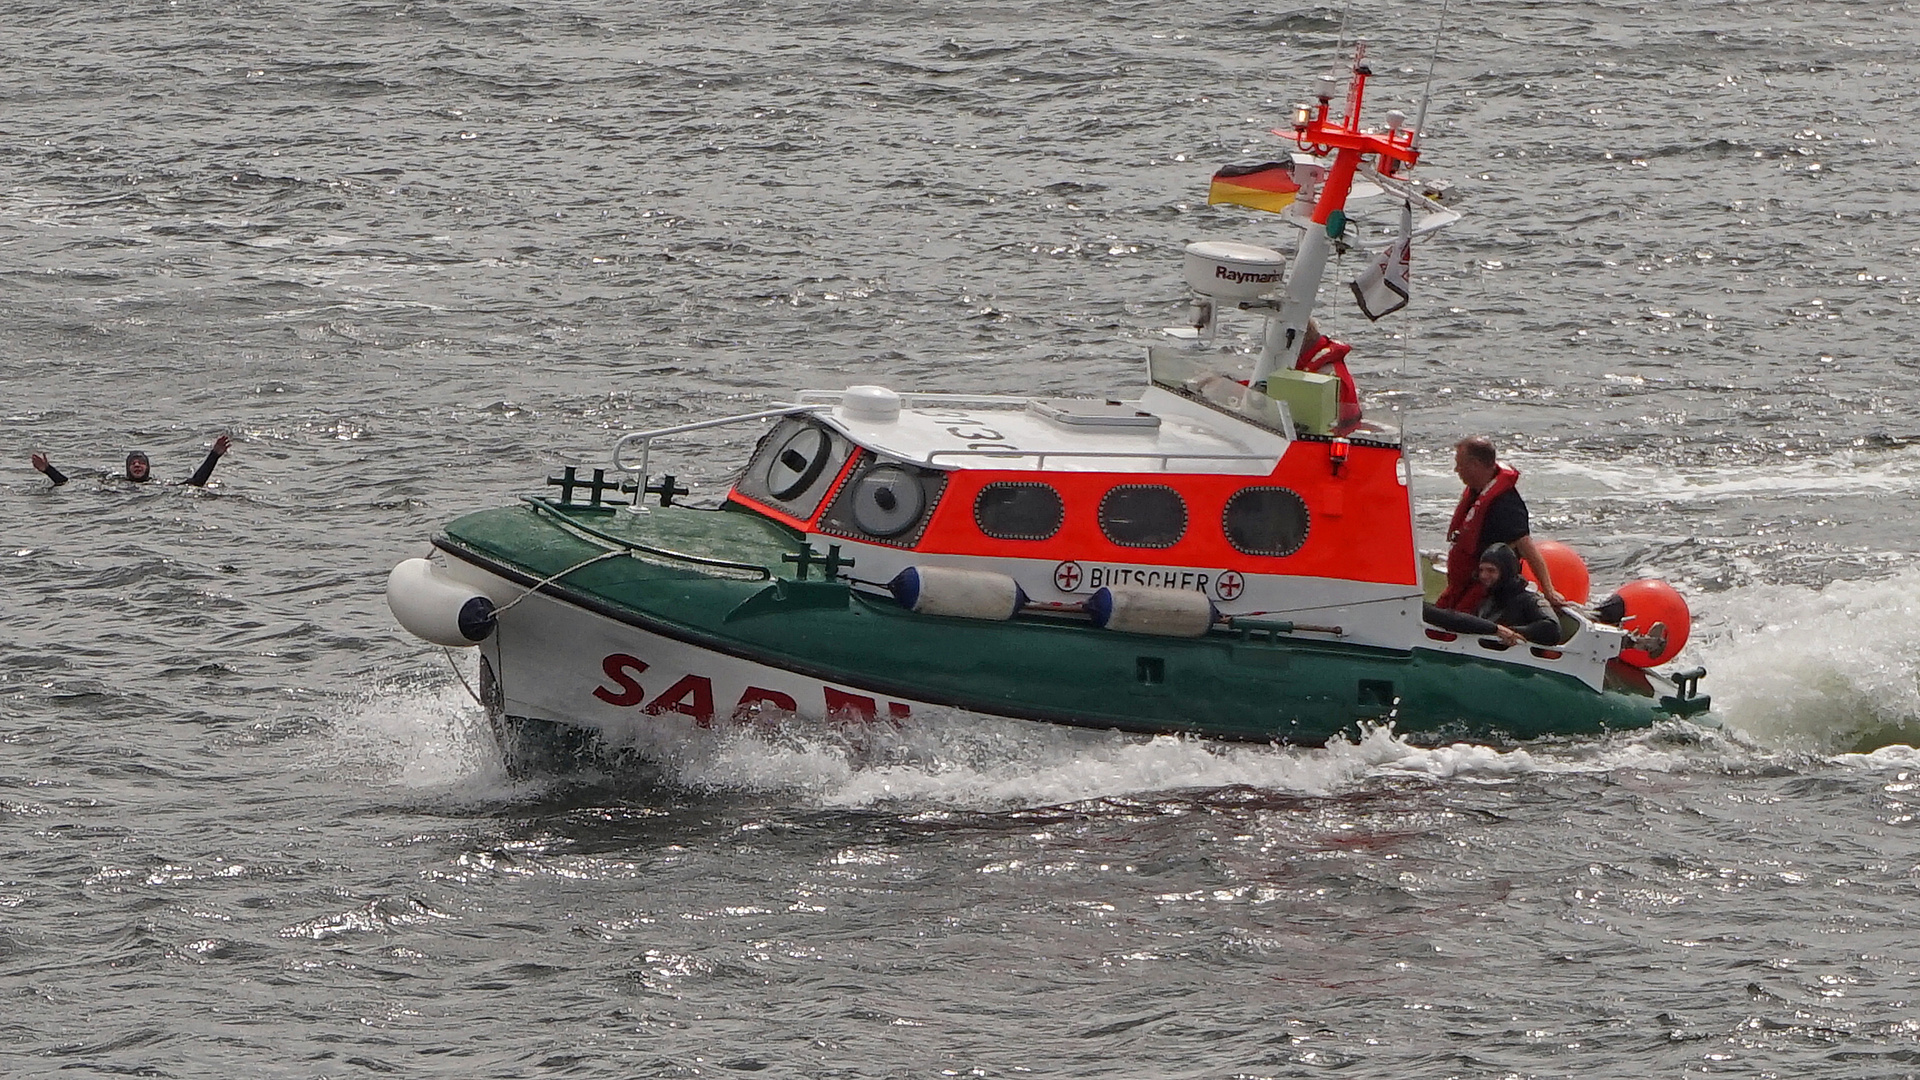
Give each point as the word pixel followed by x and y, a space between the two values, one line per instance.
pixel 1504 557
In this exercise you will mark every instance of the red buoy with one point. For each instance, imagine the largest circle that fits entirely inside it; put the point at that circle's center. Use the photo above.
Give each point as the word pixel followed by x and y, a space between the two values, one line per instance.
pixel 1649 601
pixel 1568 569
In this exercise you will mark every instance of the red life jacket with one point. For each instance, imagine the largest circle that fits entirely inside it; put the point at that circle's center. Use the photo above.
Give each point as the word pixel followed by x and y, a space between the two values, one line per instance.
pixel 1464 591
pixel 1328 353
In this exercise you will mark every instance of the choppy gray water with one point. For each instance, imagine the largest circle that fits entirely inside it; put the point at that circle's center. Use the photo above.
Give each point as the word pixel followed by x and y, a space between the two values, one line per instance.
pixel 416 256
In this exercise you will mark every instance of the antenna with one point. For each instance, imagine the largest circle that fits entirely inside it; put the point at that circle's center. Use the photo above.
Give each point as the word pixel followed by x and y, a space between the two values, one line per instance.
pixel 1340 43
pixel 1426 95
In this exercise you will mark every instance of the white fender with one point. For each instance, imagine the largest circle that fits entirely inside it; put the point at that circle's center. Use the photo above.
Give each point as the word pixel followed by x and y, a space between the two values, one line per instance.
pixel 1140 610
pixel 434 608
pixel 965 594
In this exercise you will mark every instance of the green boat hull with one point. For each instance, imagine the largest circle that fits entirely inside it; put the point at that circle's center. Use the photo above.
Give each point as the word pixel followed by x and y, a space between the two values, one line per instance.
pixel 714 584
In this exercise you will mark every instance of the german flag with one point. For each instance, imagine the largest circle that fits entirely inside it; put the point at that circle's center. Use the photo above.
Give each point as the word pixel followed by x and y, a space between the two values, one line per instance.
pixel 1267 185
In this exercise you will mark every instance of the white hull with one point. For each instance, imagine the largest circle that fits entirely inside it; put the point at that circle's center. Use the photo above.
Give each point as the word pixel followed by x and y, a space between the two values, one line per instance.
pixel 558 663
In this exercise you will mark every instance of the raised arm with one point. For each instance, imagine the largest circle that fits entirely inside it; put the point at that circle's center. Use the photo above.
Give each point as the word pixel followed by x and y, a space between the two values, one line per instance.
pixel 41 463
pixel 205 472
pixel 1530 552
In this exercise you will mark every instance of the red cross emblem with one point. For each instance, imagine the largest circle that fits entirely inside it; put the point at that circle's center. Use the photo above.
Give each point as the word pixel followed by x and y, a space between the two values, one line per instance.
pixel 1229 585
pixel 1066 576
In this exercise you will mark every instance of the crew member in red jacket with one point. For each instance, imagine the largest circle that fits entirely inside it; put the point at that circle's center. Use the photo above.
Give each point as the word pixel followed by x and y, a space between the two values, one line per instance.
pixel 1491 511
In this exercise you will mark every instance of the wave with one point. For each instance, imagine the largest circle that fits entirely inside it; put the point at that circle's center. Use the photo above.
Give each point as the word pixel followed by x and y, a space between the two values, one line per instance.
pixel 1842 472
pixel 1801 677
pixel 432 743
pixel 1821 670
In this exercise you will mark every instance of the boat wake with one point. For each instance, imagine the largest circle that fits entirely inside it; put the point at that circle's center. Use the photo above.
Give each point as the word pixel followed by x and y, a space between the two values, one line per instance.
pixel 1797 674
pixel 1818 671
pixel 422 734
pixel 1840 473
pixel 433 742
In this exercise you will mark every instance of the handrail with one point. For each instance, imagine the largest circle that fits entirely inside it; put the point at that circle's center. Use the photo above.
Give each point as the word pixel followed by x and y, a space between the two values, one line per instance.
pixel 540 502
pixel 907 397
pixel 1043 455
pixel 645 438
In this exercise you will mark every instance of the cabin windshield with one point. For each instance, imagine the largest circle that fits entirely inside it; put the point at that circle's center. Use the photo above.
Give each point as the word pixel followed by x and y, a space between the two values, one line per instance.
pixel 1297 403
pixel 1211 378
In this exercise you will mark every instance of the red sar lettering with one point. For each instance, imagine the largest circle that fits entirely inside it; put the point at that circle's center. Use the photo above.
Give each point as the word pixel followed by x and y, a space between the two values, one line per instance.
pixel 691 696
pixel 758 699
pixel 616 666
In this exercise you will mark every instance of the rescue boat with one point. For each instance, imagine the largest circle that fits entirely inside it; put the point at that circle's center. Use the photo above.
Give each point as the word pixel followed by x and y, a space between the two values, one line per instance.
pixel 1231 554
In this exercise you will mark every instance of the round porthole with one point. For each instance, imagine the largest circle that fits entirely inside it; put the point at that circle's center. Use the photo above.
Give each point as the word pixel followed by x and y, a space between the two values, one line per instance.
pixel 1265 521
pixel 798 463
pixel 887 501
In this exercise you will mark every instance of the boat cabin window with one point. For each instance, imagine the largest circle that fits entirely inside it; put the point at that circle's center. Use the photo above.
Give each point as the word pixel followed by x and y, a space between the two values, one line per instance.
pixel 1018 511
pixel 1143 516
pixel 795 466
pixel 1265 521
pixel 885 501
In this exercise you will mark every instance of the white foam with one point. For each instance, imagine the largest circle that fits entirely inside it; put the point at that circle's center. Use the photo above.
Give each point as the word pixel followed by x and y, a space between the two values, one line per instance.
pixel 430 739
pixel 1795 672
pixel 1843 472
pixel 961 761
pixel 1820 671
pixel 1899 758
pixel 419 733
pixel 966 762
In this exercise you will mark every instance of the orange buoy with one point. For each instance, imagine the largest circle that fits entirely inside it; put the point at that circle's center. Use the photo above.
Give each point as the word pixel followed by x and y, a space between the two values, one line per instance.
pixel 1650 601
pixel 1569 570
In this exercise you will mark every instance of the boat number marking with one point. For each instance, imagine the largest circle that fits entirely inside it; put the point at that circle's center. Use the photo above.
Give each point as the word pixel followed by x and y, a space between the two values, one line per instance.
pixel 980 434
pixel 1228 585
pixel 975 434
pixel 1066 576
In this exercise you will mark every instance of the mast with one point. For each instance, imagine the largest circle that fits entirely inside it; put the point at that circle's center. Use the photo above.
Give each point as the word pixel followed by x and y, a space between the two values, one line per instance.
pixel 1316 134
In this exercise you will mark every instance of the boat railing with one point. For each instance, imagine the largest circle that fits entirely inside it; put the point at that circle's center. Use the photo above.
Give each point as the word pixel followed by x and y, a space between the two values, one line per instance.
pixel 567 516
pixel 1040 456
pixel 812 401
pixel 645 439
pixel 912 399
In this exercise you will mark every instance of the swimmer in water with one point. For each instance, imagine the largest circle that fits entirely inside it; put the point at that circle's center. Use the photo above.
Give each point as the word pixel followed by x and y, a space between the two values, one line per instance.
pixel 139 470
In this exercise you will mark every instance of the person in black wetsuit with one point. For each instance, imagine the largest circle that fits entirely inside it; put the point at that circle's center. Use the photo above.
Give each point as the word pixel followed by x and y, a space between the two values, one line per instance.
pixel 139 470
pixel 1508 609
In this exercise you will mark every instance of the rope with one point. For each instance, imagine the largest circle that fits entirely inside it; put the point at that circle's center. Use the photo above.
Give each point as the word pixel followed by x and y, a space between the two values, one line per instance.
pixel 1080 607
pixel 1326 607
pixel 534 588
pixel 544 582
pixel 462 676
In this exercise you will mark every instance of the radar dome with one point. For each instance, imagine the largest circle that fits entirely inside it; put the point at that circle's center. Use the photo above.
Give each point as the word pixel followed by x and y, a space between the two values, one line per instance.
pixel 1233 272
